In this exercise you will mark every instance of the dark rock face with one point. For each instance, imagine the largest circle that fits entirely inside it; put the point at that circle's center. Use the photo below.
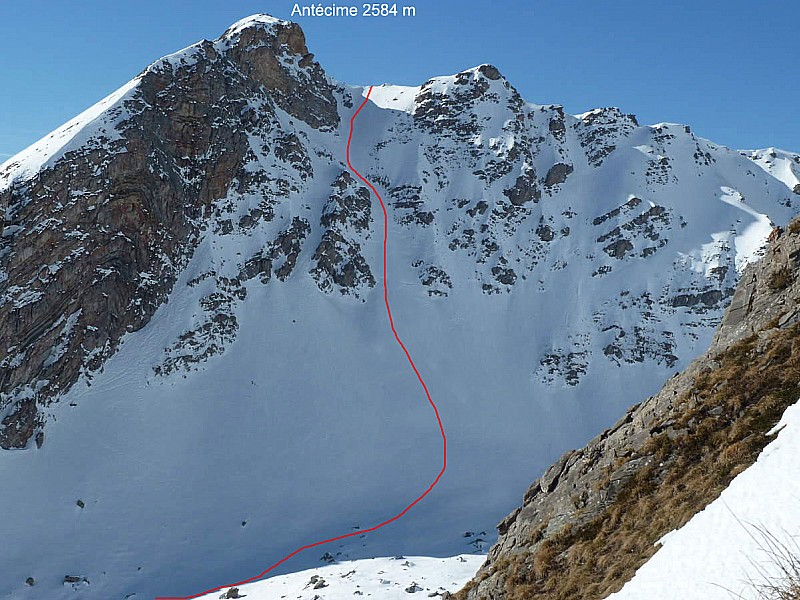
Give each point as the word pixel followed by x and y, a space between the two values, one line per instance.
pixel 19 425
pixel 451 113
pixel 290 149
pixel 408 206
pixel 435 279
pixel 490 72
pixel 557 174
pixel 600 129
pixel 656 451
pixel 707 298
pixel 128 222
pixel 645 229
pixel 570 366
pixel 557 126
pixel 286 248
pixel 338 260
pixel 348 205
pixel 545 233
pixel 619 248
pixel 504 275
pixel 625 208
pixel 524 190
pixel 640 344
pixel 261 55
pixel 100 236
pixel 340 264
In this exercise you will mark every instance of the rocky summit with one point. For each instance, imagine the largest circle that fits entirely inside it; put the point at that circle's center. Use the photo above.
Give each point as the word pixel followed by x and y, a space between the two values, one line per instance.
pixel 195 349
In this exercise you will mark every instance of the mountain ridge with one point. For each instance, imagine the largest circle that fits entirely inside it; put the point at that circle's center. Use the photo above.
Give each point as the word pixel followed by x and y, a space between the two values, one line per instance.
pixel 593 523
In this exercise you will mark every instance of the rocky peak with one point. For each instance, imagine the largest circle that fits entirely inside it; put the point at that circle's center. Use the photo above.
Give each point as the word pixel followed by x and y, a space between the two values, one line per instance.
pixel 601 129
pixel 261 31
pixel 471 86
pixel 95 234
pixel 263 51
pixel 481 109
pixel 460 102
pixel 256 22
pixel 608 115
pixel 490 72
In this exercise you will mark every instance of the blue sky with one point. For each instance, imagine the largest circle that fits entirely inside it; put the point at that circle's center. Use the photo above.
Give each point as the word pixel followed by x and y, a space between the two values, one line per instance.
pixel 728 68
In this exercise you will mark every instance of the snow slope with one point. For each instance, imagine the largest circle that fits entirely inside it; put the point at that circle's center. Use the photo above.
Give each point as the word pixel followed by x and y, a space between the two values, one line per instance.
pixel 546 270
pixel 722 548
pixel 395 97
pixel 386 578
pixel 778 163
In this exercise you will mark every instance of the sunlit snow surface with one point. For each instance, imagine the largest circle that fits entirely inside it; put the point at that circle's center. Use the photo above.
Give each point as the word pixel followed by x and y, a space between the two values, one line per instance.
pixel 721 548
pixel 780 164
pixel 396 578
pixel 752 236
pixel 395 97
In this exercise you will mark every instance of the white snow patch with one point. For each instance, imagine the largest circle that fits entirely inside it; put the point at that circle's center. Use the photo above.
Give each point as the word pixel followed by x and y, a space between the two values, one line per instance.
pixel 717 550
pixel 394 97
pixel 751 239
pixel 784 166
pixel 253 21
pixel 386 578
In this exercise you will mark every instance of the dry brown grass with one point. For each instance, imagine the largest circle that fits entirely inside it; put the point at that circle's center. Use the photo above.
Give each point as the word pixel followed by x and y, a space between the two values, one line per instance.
pixel 755 382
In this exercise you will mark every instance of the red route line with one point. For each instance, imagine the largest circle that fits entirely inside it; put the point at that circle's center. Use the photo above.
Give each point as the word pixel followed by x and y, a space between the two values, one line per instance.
pixel 416 372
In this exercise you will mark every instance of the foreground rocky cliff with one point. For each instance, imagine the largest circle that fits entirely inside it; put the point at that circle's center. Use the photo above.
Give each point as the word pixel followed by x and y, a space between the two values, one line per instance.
pixel 597 515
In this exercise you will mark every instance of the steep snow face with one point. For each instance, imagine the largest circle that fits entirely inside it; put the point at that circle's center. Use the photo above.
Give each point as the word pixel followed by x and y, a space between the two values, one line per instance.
pixel 546 271
pixel 394 97
pixel 385 578
pixel 780 164
pixel 730 544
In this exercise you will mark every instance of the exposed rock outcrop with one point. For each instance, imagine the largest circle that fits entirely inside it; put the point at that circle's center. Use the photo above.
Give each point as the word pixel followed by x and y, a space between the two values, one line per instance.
pixel 557 174
pixel 338 260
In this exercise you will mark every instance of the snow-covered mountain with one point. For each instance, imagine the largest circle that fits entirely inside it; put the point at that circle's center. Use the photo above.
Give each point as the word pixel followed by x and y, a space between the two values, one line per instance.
pixel 197 368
